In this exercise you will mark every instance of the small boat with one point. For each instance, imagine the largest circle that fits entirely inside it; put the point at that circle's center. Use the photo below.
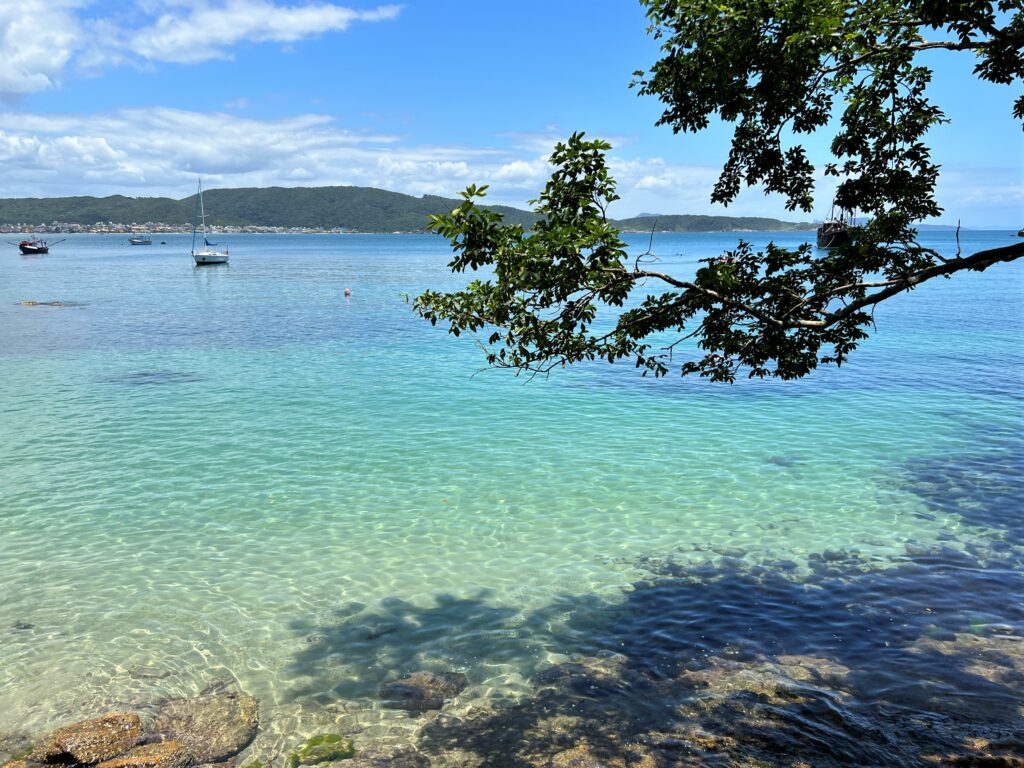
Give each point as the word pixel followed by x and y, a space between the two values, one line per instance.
pixel 35 246
pixel 834 231
pixel 209 254
pixel 140 240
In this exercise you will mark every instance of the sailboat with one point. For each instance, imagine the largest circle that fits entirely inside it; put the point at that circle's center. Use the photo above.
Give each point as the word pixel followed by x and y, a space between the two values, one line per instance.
pixel 209 254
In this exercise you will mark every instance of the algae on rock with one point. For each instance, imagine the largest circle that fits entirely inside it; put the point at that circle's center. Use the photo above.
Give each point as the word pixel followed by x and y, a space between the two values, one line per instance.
pixel 324 748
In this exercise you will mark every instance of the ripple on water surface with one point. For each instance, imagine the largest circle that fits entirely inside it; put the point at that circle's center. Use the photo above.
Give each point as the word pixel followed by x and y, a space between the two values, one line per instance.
pixel 243 476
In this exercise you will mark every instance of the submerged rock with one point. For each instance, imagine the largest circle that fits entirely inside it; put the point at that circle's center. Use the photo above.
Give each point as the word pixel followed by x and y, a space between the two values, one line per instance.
pixel 578 757
pixel 421 691
pixel 164 754
pixel 585 756
pixel 210 727
pixel 14 746
pixel 90 741
pixel 388 757
pixel 325 748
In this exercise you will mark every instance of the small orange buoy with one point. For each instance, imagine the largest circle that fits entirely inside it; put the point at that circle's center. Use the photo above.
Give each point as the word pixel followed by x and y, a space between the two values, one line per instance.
pixel 348 291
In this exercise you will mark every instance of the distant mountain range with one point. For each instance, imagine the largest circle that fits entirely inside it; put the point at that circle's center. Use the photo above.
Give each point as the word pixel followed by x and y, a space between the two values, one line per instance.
pixel 359 209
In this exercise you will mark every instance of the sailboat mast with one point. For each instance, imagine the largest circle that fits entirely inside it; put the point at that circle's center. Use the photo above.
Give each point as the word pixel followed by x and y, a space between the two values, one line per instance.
pixel 202 212
pixel 194 218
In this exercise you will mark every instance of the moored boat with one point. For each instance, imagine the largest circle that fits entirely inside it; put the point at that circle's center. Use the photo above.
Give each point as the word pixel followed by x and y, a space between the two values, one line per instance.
pixel 832 234
pixel 140 240
pixel 35 246
pixel 209 254
pixel 835 231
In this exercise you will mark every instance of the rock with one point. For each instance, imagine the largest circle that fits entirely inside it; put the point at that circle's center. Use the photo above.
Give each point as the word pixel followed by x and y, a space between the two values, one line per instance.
pixel 376 756
pixel 164 754
pixel 421 691
pixel 91 741
pixel 148 673
pixel 210 727
pixel 20 764
pixel 325 748
pixel 580 756
pixel 23 626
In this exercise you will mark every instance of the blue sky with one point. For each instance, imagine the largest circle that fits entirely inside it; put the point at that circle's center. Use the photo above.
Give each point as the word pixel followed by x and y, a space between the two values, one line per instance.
pixel 141 97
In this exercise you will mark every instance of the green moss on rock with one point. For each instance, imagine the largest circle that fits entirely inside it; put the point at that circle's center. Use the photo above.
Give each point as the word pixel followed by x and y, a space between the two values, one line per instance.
pixel 323 748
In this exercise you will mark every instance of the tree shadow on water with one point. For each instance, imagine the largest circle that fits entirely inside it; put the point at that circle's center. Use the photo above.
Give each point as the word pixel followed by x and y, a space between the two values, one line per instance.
pixel 731 665
pixel 914 661
pixel 363 647
pixel 985 486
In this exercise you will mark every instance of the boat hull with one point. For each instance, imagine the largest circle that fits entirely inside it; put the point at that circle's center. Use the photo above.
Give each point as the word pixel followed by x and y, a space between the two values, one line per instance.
pixel 832 238
pixel 34 250
pixel 134 241
pixel 206 258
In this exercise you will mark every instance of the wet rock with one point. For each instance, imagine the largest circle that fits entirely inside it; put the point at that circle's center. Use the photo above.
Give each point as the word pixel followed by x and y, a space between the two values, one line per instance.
pixel 586 675
pixel 421 691
pixel 560 730
pixel 377 756
pixel 324 748
pixel 148 673
pixel 211 727
pixel 91 741
pixel 23 626
pixel 689 738
pixel 457 758
pixel 20 764
pixel 997 659
pixel 577 757
pixel 584 756
pixel 791 679
pixel 164 754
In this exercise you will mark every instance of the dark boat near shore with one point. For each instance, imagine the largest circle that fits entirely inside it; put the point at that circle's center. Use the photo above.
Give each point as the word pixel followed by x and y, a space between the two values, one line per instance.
pixel 834 232
pixel 35 246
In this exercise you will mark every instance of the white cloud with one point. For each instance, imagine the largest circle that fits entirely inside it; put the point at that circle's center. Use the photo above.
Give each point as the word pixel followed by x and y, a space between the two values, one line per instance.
pixel 161 151
pixel 209 31
pixel 37 39
pixel 523 171
pixel 40 38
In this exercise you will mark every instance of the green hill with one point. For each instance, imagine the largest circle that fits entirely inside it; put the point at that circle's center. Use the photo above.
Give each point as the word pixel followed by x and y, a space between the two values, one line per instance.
pixel 361 209
pixel 687 223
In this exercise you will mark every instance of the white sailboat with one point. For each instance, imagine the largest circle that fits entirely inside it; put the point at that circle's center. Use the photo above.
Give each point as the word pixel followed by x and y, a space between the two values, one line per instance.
pixel 209 254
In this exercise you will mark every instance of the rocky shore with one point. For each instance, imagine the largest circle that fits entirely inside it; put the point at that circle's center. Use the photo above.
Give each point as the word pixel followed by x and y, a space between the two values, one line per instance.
pixel 597 712
pixel 853 665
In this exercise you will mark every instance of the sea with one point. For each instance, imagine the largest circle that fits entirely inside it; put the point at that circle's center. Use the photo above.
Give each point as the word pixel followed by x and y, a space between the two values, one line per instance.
pixel 241 475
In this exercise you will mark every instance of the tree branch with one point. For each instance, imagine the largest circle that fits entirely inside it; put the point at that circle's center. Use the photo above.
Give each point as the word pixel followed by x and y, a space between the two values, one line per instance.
pixel 976 262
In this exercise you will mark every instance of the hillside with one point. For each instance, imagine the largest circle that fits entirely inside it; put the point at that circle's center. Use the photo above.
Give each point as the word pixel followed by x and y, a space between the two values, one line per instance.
pixel 687 223
pixel 360 209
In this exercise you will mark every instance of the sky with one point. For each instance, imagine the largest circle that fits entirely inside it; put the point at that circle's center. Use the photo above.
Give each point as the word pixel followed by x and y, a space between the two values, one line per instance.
pixel 143 97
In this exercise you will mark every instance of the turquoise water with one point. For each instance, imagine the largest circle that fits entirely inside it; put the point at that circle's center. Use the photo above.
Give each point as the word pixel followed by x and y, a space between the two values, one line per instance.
pixel 240 473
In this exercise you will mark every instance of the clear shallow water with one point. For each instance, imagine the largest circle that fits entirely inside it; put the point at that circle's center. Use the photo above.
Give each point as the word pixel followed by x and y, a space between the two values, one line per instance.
pixel 239 473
